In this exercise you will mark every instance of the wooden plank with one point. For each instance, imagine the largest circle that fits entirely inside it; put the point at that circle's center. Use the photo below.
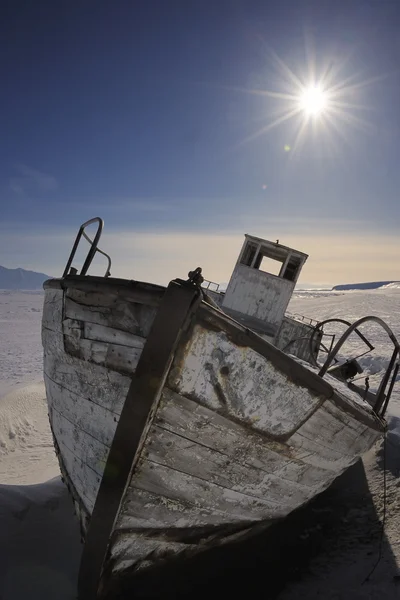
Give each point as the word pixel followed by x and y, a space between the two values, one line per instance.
pixel 89 450
pixel 173 484
pixel 79 506
pixel 99 298
pixel 82 514
pixel 89 417
pixel 53 309
pixel 227 453
pixel 52 341
pixel 95 314
pixel 99 333
pixel 332 428
pixel 112 356
pixel 331 431
pixel 125 316
pixel 102 386
pixel 142 509
pixel 73 328
pixel 122 357
pixel 234 440
pixel 293 338
pixel 139 550
pixel 83 478
pixel 105 292
pixel 160 509
pixel 198 460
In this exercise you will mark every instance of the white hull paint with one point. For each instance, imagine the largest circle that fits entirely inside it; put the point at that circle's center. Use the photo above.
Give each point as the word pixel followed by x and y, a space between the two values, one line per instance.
pixel 239 434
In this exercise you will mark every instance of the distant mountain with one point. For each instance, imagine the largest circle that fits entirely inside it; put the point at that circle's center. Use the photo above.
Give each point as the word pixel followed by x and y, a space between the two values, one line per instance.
pixel 20 279
pixel 371 285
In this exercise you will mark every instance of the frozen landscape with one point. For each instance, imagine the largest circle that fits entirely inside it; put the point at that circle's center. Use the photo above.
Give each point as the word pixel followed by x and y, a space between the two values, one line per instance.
pixel 40 542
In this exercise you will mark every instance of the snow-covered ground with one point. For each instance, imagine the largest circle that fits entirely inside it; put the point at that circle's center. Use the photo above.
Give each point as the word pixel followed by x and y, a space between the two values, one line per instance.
pixel 39 537
pixel 351 306
pixel 40 547
pixel 20 345
pixel 350 547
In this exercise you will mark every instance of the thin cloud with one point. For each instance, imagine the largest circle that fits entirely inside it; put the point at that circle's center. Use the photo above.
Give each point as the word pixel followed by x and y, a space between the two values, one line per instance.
pixel 29 180
pixel 159 256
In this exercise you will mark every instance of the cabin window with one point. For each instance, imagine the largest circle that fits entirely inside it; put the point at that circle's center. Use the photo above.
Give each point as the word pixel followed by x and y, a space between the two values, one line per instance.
pixel 292 269
pixel 269 265
pixel 271 259
pixel 248 255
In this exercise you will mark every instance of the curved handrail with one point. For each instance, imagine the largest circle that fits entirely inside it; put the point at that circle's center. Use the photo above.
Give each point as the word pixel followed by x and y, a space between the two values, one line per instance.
pixel 93 248
pixel 381 400
pixel 335 320
pixel 108 271
pixel 349 331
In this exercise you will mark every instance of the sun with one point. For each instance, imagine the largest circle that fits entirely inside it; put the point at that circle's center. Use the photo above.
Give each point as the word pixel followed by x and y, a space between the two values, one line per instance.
pixel 313 100
pixel 321 99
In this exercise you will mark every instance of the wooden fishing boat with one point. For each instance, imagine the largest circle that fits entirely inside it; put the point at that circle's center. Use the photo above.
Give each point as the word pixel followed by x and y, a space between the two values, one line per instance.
pixel 179 423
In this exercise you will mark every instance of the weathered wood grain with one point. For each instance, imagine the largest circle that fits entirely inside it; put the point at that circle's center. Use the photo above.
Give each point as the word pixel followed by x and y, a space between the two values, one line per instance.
pixel 96 383
pixel 91 452
pixel 52 316
pixel 89 334
pixel 294 337
pixel 83 478
pixel 87 416
pixel 120 357
pixel 176 485
pixel 134 548
pixel 99 333
pixel 195 459
pixel 112 356
pixel 235 440
pixel 73 328
pixel 221 451
pixel 331 433
pixel 130 317
pixel 99 298
pixel 142 509
pixel 53 341
pixel 100 292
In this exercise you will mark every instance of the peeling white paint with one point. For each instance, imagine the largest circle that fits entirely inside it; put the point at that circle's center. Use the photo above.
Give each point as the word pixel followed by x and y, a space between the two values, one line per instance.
pixel 253 390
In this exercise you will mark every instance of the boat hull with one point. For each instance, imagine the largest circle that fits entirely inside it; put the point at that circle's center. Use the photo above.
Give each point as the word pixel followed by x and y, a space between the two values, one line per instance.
pixel 177 428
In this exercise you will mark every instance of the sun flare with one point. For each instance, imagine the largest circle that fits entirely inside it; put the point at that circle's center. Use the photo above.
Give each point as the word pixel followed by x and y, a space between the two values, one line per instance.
pixel 313 100
pixel 320 101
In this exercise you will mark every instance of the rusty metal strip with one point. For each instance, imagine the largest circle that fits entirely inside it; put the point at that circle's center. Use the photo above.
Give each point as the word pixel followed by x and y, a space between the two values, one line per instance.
pixel 136 416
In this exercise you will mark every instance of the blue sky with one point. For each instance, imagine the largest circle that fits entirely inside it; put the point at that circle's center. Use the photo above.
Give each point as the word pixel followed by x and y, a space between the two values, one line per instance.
pixel 154 116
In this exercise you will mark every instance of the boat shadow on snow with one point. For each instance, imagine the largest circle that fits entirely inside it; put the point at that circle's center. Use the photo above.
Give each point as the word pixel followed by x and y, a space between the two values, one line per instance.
pixel 342 520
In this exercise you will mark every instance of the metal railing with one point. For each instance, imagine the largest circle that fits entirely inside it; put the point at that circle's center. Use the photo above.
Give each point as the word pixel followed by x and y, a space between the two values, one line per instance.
pixel 69 270
pixel 206 285
pixel 302 318
pixel 382 398
pixel 320 327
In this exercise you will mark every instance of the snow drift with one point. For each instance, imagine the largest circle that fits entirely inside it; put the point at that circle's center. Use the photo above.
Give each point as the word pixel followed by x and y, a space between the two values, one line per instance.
pixel 370 285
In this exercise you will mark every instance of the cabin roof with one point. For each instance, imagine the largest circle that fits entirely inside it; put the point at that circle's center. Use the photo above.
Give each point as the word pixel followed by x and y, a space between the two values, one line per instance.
pixel 279 249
